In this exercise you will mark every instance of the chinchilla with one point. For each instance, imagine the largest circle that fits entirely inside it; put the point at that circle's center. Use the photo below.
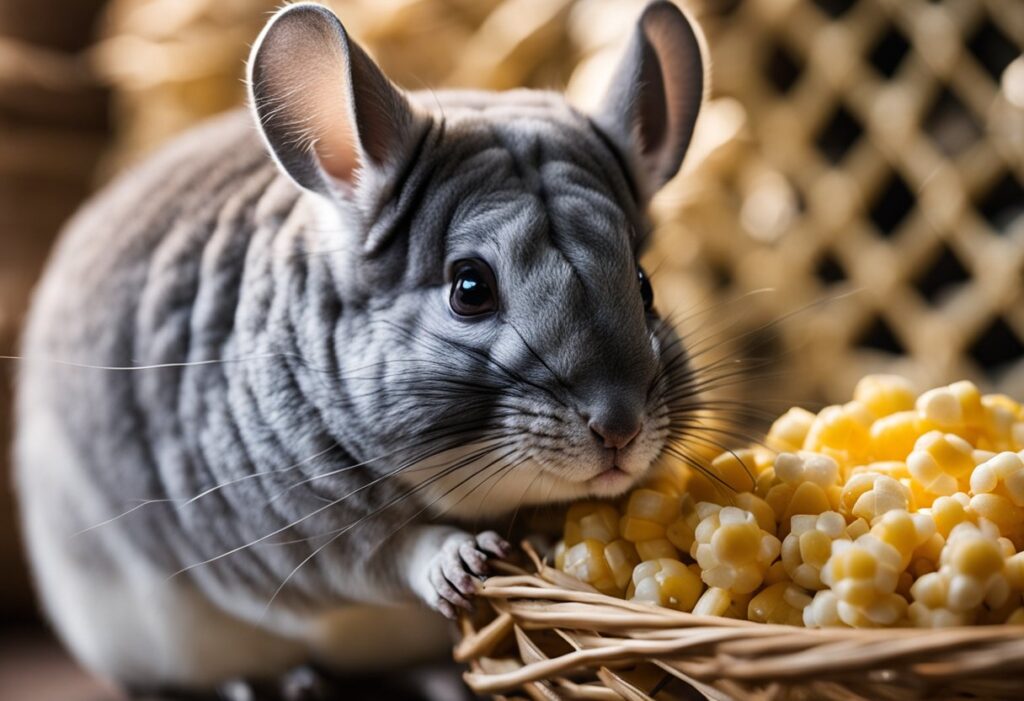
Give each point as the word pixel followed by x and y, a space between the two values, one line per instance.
pixel 274 378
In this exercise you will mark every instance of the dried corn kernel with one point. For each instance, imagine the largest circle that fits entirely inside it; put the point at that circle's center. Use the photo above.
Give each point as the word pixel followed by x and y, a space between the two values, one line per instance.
pixel 591 520
pixel 652 505
pixel 790 430
pixel 732 550
pixel 659 548
pixel 823 611
pixel 955 406
pixel 713 602
pixel 621 557
pixel 1003 474
pixel 806 483
pixel 881 501
pixel 809 546
pixel 941 462
pixel 868 495
pixel 892 437
pixel 863 574
pixel 904 531
pixel 973 573
pixel 883 395
pixel 586 562
pixel 779 603
pixel 666 582
pixel 841 432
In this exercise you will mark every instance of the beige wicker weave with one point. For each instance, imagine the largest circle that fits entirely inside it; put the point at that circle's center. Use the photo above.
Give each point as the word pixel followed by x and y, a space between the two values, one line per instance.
pixel 553 637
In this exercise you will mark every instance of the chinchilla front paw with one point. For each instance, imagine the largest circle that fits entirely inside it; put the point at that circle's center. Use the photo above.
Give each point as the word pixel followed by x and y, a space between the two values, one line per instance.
pixel 458 565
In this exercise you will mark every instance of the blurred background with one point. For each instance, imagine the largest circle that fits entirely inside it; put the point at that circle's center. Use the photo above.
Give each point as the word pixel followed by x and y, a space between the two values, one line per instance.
pixel 853 201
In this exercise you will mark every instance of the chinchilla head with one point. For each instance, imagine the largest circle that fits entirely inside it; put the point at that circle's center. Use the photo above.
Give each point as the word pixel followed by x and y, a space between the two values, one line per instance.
pixel 487 253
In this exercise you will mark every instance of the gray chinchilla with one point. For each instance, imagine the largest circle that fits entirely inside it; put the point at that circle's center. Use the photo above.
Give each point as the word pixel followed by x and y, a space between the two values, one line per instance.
pixel 265 401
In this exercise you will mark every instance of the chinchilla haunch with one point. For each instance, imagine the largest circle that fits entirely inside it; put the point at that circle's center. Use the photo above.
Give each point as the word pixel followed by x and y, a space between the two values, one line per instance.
pixel 275 378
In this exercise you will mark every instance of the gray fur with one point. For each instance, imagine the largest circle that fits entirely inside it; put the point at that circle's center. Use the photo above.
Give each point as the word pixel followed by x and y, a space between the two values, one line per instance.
pixel 311 363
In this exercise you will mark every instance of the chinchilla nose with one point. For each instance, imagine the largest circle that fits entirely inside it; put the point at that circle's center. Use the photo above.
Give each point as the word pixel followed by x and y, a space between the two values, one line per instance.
pixel 615 425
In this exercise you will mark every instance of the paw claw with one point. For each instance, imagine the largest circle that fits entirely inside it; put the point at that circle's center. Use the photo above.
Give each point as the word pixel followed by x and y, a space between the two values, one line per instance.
pixel 462 561
pixel 491 542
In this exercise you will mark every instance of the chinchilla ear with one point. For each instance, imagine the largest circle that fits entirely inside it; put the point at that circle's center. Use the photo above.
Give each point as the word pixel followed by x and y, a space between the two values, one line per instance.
pixel 326 110
pixel 651 106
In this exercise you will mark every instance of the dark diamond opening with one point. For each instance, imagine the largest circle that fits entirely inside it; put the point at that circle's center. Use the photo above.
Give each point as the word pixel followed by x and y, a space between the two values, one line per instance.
pixel 829 270
pixel 724 7
pixel 996 346
pixel 951 125
pixel 879 336
pixel 889 52
pixel 942 276
pixel 992 48
pixel 835 8
pixel 839 134
pixel 1003 205
pixel 892 205
pixel 782 68
pixel 721 275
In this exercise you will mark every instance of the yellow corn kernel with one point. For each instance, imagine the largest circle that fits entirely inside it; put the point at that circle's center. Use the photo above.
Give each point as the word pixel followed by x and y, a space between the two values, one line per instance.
pixel 904 531
pixel 892 437
pixel 749 501
pixel 651 505
pixel 973 564
pixel 737 469
pixel 996 508
pixel 700 487
pixel 680 531
pixel 776 573
pixel 808 483
pixel 941 462
pixel 864 574
pixel 782 603
pixel 714 602
pixel 732 550
pixel 789 431
pixel 1015 572
pixel 586 562
pixel 559 554
pixel 885 394
pixel 823 611
pixel 1003 474
pixel 929 610
pixel 950 511
pixel 660 548
pixel 952 407
pixel 841 432
pixel 621 557
pixel 738 605
pixel 637 530
pixel 868 495
pixel 666 582
pixel 809 545
pixel 602 520
pixel 856 528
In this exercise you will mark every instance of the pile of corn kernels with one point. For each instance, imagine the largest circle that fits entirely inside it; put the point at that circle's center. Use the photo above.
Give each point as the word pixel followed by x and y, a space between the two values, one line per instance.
pixel 891 510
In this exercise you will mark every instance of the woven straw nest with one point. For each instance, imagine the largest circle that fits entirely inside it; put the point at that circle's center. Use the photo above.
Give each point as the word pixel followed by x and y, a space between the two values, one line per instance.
pixel 550 636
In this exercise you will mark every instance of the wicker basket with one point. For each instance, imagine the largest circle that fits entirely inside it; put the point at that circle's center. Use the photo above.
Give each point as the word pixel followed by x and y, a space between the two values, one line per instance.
pixel 549 636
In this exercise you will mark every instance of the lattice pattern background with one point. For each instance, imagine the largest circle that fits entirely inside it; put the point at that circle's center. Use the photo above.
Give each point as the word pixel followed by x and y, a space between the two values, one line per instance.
pixel 861 159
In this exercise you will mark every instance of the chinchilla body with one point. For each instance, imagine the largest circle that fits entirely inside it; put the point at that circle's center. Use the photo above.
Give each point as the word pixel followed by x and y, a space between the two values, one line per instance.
pixel 276 379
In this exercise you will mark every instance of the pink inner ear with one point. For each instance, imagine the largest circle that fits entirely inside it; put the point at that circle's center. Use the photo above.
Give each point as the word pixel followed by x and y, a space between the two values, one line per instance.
pixel 310 80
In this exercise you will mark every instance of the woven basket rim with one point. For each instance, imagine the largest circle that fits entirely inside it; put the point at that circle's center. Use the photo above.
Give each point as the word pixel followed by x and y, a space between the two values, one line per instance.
pixel 602 630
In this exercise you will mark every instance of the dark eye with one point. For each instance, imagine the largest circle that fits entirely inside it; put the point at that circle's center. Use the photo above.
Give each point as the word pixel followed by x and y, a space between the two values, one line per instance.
pixel 646 291
pixel 474 290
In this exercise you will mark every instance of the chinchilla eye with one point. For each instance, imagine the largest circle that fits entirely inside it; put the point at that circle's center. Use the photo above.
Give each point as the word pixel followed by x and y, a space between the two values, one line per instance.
pixel 474 290
pixel 646 291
